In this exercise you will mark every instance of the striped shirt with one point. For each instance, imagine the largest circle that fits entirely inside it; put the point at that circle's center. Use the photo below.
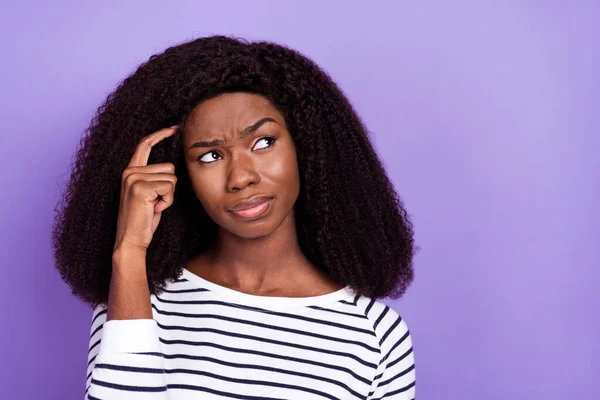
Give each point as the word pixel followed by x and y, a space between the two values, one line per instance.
pixel 207 341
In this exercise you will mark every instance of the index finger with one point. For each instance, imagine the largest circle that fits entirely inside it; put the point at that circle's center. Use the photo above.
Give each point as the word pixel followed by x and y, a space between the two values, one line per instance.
pixel 142 151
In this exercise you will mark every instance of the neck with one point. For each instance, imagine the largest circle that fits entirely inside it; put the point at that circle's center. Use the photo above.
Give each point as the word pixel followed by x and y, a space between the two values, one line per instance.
pixel 258 265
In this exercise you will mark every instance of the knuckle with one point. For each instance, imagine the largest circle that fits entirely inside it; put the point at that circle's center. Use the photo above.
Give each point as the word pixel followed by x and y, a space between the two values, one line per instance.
pixel 145 142
pixel 136 188
pixel 125 173
pixel 128 179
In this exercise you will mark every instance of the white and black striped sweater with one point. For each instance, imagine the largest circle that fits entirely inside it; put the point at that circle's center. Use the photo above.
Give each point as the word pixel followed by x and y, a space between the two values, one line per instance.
pixel 206 341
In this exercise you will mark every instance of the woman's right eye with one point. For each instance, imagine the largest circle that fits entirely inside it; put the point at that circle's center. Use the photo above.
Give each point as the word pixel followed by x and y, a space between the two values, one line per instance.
pixel 209 157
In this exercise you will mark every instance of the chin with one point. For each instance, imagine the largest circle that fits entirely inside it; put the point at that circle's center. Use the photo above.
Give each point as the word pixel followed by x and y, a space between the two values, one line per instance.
pixel 250 230
pixel 254 229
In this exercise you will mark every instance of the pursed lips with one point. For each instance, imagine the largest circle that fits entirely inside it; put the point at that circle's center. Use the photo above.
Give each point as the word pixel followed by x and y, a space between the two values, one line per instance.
pixel 253 202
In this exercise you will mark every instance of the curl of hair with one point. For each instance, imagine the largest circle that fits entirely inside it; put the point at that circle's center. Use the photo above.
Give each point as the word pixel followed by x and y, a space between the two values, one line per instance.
pixel 350 221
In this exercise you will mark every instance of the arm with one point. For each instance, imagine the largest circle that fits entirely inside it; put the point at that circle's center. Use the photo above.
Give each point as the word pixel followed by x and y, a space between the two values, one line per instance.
pixel 124 357
pixel 395 376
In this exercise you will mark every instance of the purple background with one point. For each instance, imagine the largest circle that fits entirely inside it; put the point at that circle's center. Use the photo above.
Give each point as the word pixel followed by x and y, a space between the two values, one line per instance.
pixel 486 115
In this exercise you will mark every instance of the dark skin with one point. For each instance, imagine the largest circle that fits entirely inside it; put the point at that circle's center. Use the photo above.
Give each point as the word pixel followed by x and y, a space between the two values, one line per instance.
pixel 259 257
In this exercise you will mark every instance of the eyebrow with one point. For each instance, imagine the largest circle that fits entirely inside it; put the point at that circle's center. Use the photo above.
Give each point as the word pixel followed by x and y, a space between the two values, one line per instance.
pixel 245 132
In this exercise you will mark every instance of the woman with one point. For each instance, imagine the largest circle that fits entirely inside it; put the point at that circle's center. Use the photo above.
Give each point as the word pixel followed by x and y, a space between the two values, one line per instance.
pixel 280 231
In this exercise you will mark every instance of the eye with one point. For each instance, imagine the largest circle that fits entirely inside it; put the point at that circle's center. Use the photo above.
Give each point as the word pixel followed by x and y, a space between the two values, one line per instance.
pixel 270 139
pixel 209 157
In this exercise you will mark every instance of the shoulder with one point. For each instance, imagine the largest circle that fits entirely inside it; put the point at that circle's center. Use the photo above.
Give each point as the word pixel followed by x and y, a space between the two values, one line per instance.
pixel 388 325
pixel 395 374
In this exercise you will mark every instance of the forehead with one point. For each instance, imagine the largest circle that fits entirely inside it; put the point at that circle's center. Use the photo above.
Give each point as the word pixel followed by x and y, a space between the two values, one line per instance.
pixel 230 111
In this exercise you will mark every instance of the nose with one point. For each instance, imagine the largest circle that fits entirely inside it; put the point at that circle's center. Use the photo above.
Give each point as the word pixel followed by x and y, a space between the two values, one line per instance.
pixel 242 173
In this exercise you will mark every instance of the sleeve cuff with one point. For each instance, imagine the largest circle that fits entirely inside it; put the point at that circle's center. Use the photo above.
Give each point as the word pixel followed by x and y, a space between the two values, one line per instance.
pixel 129 336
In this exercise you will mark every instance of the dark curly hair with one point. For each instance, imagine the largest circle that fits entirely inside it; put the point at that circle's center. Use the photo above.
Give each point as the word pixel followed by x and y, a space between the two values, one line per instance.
pixel 350 222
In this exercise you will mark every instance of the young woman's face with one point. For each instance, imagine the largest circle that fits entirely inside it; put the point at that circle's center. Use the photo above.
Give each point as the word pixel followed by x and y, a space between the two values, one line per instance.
pixel 252 154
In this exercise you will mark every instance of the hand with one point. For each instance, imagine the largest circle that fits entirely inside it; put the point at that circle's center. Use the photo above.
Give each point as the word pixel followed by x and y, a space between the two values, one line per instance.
pixel 146 191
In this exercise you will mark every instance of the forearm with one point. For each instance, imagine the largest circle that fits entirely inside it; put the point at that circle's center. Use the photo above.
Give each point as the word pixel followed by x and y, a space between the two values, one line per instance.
pixel 125 360
pixel 129 296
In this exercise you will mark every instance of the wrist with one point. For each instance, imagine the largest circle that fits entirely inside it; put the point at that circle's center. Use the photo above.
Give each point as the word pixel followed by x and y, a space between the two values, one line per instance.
pixel 129 258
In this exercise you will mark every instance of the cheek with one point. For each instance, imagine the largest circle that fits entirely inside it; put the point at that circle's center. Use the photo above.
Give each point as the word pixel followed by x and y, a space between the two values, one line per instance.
pixel 283 171
pixel 207 189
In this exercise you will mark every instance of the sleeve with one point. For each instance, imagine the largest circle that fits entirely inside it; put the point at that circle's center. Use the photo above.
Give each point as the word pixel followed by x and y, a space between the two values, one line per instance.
pixel 124 360
pixel 395 375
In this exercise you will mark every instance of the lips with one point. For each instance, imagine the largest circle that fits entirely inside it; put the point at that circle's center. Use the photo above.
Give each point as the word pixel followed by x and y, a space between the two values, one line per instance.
pixel 250 203
pixel 252 209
